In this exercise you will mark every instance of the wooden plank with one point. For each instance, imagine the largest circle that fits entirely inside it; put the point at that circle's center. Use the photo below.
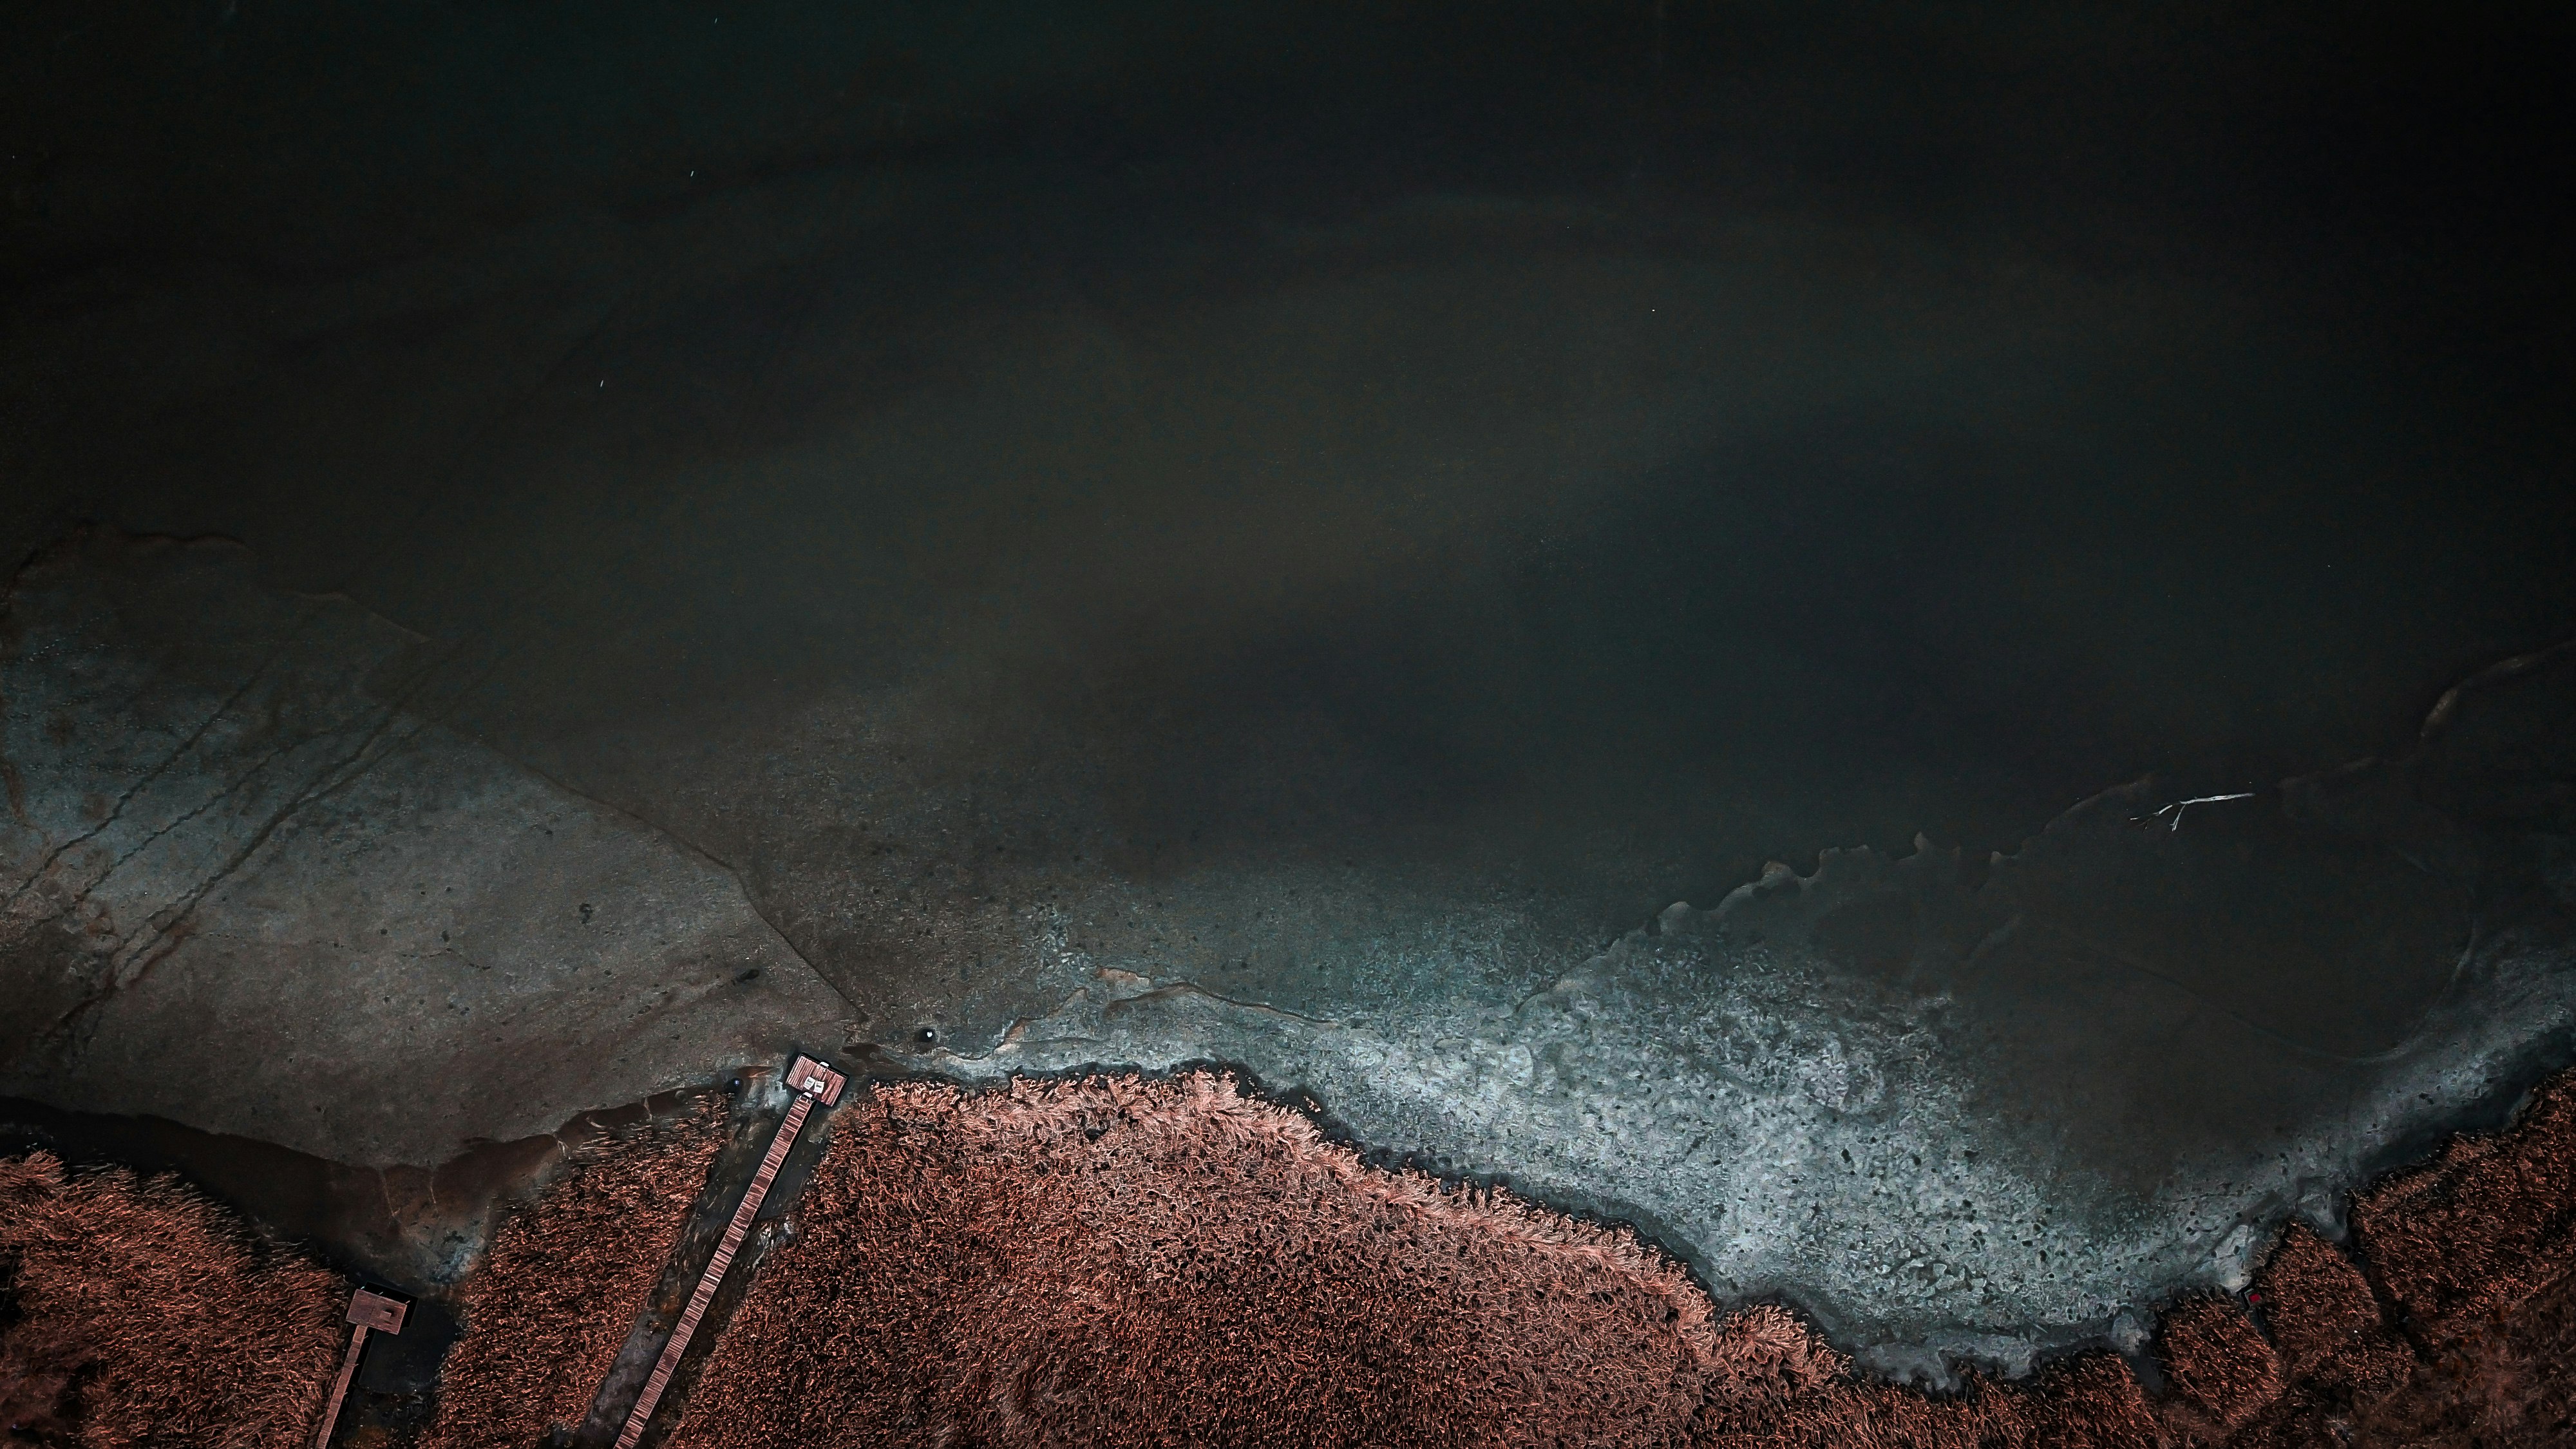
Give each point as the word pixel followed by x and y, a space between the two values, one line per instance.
pixel 368 1309
pixel 813 1083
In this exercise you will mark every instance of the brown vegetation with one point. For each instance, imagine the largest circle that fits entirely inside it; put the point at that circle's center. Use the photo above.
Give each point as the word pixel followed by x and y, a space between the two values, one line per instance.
pixel 2472 1338
pixel 1127 1262
pixel 134 1312
pixel 1118 1261
pixel 560 1286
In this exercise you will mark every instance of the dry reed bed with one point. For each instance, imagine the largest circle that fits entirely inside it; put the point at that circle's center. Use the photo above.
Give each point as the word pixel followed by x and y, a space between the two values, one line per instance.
pixel 1118 1261
pixel 1122 1261
pixel 134 1312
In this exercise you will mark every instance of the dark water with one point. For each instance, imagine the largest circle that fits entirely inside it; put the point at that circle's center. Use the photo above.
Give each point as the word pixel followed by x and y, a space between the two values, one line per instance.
pixel 1708 433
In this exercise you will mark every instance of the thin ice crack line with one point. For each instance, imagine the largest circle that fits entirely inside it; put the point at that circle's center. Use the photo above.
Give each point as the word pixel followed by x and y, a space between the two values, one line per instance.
pixel 1192 988
pixel 742 887
pixel 1014 1038
pixel 1993 939
pixel 117 811
pixel 210 802
pixel 2178 807
pixel 674 1002
pixel 115 979
pixel 2403 1048
pixel 334 779
pixel 158 943
pixel 2495 673
pixel 136 951
pixel 399 953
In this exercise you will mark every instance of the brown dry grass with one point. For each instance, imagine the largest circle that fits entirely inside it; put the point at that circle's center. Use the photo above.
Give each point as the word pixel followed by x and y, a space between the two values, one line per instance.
pixel 1120 1261
pixel 2483 1227
pixel 2325 1322
pixel 561 1284
pixel 1128 1262
pixel 2472 1340
pixel 2222 1371
pixel 134 1312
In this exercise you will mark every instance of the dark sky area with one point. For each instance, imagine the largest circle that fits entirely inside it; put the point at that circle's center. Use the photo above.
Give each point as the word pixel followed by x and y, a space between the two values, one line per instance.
pixel 1599 444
